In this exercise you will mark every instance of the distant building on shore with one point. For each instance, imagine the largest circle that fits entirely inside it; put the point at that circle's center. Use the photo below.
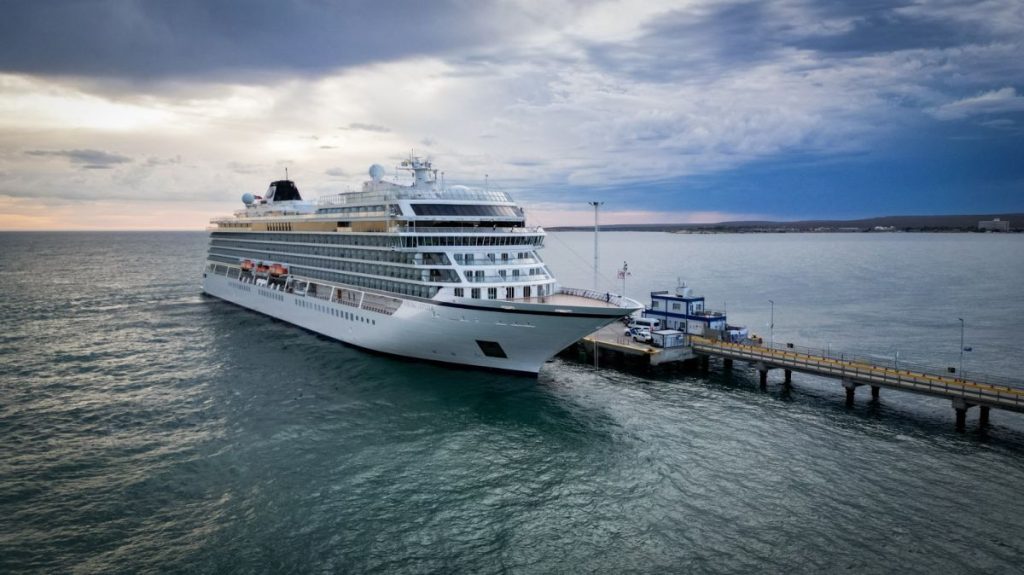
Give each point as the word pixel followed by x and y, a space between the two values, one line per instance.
pixel 995 225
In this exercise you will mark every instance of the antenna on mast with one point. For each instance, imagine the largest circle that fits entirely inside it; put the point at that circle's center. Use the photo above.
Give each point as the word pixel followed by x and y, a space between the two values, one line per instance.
pixel 286 172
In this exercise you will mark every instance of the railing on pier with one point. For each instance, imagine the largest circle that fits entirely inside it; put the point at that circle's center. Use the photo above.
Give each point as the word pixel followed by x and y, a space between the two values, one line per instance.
pixel 1000 392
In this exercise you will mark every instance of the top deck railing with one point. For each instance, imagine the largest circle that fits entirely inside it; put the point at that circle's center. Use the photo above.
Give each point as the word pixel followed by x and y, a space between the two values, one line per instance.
pixel 385 196
pixel 420 230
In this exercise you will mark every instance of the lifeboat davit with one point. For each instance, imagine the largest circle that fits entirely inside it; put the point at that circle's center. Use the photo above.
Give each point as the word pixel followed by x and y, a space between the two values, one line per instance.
pixel 247 265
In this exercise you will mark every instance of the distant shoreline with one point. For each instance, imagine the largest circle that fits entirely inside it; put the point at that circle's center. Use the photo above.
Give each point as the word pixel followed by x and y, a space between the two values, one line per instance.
pixel 887 224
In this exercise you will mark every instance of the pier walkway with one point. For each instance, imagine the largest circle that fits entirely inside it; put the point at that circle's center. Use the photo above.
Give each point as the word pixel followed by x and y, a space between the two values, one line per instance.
pixel 984 392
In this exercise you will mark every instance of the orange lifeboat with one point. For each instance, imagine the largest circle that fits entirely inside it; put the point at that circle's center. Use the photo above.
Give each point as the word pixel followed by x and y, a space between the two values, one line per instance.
pixel 262 269
pixel 247 265
pixel 278 270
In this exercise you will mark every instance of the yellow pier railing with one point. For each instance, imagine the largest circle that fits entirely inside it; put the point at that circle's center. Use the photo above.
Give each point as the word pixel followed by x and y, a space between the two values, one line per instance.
pixel 976 391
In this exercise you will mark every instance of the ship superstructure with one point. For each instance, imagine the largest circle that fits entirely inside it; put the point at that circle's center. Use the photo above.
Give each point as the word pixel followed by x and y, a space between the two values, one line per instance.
pixel 448 274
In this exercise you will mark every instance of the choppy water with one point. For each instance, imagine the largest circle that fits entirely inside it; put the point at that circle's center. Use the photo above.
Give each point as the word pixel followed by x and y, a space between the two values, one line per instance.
pixel 146 428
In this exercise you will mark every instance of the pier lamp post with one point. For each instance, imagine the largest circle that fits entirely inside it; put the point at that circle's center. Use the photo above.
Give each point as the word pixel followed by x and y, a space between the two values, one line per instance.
pixel 771 326
pixel 596 206
pixel 961 347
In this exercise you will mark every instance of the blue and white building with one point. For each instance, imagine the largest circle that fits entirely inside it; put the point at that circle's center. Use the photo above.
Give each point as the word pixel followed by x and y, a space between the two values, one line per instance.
pixel 685 311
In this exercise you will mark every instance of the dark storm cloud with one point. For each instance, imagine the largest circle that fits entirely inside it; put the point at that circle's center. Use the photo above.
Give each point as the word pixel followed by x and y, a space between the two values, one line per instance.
pixel 730 36
pixel 883 28
pixel 682 43
pixel 89 159
pixel 203 38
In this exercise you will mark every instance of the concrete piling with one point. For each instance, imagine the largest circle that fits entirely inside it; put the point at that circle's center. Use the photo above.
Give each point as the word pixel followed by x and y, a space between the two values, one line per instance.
pixel 875 392
pixel 789 377
pixel 961 408
pixel 851 391
pixel 961 420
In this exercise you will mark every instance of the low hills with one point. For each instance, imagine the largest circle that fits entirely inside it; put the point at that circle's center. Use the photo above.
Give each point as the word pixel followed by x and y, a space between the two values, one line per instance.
pixel 947 223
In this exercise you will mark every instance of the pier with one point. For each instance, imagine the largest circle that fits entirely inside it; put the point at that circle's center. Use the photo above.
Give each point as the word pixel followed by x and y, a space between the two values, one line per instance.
pixel 981 392
pixel 852 372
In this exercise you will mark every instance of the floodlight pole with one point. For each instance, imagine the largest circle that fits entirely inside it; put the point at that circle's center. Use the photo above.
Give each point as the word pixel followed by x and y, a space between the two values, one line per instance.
pixel 596 206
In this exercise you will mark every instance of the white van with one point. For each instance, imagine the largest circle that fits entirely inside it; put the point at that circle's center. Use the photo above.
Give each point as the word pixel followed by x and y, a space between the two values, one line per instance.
pixel 648 323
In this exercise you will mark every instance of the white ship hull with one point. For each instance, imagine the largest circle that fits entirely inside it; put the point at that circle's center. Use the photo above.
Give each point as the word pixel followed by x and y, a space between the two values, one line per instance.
pixel 437 332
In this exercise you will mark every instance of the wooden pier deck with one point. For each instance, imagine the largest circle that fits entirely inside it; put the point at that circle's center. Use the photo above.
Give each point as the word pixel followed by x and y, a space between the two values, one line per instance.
pixel 984 393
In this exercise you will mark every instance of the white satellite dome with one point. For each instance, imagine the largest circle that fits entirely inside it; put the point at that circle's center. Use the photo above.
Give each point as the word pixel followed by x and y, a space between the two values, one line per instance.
pixel 377 172
pixel 248 198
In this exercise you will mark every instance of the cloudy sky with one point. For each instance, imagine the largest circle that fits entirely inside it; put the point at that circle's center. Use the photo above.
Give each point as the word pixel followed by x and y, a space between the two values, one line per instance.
pixel 160 114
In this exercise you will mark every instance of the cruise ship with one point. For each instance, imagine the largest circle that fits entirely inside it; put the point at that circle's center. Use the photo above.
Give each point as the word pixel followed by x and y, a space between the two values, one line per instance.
pixel 420 270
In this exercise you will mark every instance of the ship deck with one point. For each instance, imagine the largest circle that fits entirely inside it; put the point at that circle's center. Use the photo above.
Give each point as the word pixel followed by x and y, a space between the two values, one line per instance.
pixel 568 300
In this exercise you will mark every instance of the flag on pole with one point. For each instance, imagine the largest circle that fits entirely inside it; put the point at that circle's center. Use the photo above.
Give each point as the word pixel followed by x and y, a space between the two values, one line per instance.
pixel 624 272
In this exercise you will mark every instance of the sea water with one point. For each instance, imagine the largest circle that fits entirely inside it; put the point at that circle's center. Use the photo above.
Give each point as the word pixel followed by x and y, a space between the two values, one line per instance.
pixel 145 427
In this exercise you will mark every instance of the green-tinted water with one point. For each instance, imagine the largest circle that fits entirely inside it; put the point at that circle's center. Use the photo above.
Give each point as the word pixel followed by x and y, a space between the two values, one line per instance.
pixel 148 428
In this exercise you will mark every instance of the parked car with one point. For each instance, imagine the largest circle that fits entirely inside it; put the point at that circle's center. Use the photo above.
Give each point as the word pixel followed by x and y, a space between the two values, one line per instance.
pixel 640 334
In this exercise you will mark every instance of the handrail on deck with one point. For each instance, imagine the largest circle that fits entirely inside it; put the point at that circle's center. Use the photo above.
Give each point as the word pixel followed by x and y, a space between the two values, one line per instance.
pixel 614 299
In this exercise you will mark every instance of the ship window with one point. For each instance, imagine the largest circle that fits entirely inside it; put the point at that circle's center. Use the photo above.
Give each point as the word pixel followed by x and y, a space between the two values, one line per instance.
pixel 656 304
pixel 491 348
pixel 492 293
pixel 462 210
pixel 510 293
pixel 675 306
pixel 474 293
pixel 459 292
